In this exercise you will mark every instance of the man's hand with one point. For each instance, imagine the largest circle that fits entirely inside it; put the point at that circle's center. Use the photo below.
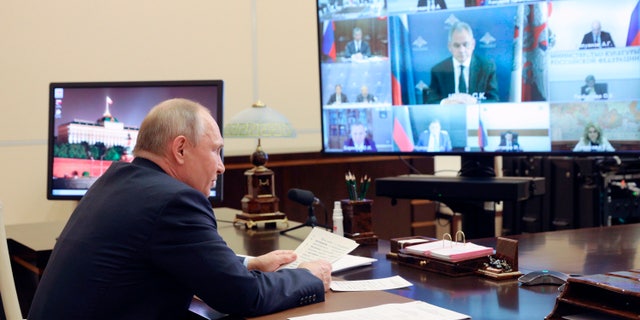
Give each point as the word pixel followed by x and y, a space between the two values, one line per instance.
pixel 271 261
pixel 320 269
pixel 459 98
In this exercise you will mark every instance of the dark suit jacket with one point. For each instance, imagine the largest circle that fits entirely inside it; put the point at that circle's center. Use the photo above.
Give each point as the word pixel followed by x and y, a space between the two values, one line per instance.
pixel 482 80
pixel 441 3
pixel 600 88
pixel 140 244
pixel 369 146
pixel 332 98
pixel 423 141
pixel 368 98
pixel 350 49
pixel 605 41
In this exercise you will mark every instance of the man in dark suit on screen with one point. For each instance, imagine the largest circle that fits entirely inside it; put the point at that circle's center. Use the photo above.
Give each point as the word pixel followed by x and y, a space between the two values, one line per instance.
pixel 357 48
pixel 434 139
pixel 463 78
pixel 597 38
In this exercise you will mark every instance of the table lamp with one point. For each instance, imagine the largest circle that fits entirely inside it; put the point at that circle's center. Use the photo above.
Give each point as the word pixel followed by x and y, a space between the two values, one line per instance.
pixel 260 203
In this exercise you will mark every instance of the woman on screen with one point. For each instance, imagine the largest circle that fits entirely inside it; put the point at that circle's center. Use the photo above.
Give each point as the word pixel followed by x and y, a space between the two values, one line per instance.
pixel 592 140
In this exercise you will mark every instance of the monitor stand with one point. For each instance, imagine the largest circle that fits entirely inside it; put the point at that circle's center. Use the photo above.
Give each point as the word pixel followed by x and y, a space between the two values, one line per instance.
pixel 478 217
pixel 477 166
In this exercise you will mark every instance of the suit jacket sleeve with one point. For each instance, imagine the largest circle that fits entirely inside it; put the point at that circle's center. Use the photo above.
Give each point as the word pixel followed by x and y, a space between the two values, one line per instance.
pixel 332 99
pixel 482 79
pixel 187 246
pixel 350 49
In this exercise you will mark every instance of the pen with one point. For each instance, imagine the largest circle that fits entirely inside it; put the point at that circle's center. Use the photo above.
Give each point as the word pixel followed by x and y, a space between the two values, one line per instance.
pixel 364 187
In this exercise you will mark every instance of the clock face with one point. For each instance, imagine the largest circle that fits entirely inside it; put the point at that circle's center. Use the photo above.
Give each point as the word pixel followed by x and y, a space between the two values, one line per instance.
pixel 261 185
pixel 265 187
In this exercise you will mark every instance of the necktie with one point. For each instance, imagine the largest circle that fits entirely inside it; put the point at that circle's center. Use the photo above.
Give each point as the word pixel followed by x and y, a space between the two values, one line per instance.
pixel 357 46
pixel 462 85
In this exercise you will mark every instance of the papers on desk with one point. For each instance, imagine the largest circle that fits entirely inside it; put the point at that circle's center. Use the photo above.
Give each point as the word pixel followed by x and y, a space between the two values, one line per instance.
pixel 322 244
pixel 415 310
pixel 451 251
pixel 395 282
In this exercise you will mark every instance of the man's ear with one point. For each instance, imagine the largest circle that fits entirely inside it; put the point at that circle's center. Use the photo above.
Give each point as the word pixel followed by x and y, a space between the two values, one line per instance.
pixel 178 147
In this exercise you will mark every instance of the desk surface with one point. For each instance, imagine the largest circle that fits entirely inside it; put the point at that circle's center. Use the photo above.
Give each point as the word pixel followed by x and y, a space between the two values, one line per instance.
pixel 580 251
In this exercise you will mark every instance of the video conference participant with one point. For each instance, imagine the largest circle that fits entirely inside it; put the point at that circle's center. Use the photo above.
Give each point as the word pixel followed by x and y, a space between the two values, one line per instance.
pixel 432 4
pixel 434 139
pixel 509 142
pixel 464 77
pixel 359 141
pixel 365 96
pixel 144 239
pixel 357 48
pixel 596 38
pixel 337 96
pixel 592 90
pixel 593 140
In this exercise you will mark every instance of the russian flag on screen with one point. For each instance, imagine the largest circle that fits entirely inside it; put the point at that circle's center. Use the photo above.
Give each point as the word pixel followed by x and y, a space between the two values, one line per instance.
pixel 328 41
pixel 482 134
pixel 402 134
pixel 633 37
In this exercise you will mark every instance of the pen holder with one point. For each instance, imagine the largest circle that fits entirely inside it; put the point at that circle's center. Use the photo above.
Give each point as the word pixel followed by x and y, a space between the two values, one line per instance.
pixel 357 221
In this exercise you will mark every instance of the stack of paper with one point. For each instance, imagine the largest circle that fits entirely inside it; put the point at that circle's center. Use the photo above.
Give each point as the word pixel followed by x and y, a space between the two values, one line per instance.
pixel 448 250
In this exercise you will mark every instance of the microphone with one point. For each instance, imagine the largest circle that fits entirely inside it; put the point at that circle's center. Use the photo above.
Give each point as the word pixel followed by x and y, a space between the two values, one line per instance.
pixel 304 197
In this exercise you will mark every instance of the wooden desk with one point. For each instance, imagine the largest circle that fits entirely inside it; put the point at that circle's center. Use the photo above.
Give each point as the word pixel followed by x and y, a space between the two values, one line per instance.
pixel 581 251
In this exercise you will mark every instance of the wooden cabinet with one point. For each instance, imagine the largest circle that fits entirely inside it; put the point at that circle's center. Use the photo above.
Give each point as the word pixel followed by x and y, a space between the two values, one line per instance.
pixel 324 176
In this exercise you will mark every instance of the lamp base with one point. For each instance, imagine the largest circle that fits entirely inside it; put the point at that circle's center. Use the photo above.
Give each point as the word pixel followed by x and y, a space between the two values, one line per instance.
pixel 251 220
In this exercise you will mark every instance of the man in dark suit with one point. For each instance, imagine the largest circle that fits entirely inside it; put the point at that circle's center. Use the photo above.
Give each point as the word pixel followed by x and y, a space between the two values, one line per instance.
pixel 509 142
pixel 592 90
pixel 432 4
pixel 434 139
pixel 337 96
pixel 143 240
pixel 464 77
pixel 359 141
pixel 597 38
pixel 357 48
pixel 365 96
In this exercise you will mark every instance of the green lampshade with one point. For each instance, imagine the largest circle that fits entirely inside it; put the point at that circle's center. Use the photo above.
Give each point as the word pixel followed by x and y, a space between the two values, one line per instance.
pixel 259 121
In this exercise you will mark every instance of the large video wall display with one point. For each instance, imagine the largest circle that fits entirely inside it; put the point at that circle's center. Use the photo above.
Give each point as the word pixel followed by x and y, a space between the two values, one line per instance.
pixel 461 76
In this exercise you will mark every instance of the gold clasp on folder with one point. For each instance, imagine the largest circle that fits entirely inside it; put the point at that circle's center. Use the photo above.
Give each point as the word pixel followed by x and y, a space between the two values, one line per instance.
pixel 459 235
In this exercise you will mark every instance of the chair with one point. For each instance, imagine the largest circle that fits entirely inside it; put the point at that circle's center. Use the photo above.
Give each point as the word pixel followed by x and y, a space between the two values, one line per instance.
pixel 8 291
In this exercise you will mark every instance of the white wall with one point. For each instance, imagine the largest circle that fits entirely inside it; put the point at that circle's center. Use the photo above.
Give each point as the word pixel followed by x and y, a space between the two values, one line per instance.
pixel 120 40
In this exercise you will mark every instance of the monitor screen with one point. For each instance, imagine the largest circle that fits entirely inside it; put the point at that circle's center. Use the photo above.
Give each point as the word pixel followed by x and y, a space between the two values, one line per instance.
pixel 93 124
pixel 480 77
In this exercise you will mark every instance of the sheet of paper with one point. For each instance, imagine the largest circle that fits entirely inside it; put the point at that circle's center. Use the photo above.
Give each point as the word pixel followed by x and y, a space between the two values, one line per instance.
pixel 389 283
pixel 322 244
pixel 350 261
pixel 415 310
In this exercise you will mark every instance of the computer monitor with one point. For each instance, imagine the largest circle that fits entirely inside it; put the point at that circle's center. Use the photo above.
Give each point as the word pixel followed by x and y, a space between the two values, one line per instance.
pixel 93 124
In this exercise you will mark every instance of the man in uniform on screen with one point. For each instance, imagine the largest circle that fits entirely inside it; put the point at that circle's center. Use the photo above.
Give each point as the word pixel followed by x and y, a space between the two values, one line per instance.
pixel 463 78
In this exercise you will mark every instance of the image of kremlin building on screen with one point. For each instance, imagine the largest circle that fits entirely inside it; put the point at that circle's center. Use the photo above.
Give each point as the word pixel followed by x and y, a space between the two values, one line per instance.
pixel 84 150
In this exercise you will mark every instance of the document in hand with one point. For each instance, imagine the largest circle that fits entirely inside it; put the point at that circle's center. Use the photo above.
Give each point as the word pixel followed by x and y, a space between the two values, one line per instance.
pixel 322 244
pixel 448 250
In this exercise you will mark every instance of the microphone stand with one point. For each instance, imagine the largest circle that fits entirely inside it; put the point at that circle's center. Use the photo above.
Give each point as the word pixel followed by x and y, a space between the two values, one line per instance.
pixel 312 221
